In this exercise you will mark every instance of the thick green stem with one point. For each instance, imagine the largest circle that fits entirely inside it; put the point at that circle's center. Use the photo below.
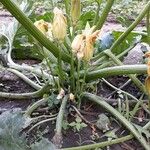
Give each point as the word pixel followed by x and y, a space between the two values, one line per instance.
pixel 61 74
pixel 136 81
pixel 25 79
pixel 148 25
pixel 29 26
pixel 104 14
pixel 102 144
pixel 110 62
pixel 57 139
pixel 35 106
pixel 67 7
pixel 97 12
pixel 31 95
pixel 72 78
pixel 117 70
pixel 61 114
pixel 131 27
pixel 122 119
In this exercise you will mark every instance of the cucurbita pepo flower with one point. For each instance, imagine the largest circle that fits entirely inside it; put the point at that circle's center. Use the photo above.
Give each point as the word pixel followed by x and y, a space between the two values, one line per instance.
pixel 78 45
pixel 83 44
pixel 59 26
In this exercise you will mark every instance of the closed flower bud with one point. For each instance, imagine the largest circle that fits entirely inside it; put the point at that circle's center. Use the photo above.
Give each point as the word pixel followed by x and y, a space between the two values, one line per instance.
pixel 75 10
pixel 42 26
pixel 59 27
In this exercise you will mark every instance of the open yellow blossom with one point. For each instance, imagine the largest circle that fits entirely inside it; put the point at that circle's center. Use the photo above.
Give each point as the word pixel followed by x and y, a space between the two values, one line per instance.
pixel 83 44
pixel 42 26
pixel 59 26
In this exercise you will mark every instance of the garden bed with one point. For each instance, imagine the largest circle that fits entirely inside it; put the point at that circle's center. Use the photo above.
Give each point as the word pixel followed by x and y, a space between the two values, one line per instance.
pixel 76 92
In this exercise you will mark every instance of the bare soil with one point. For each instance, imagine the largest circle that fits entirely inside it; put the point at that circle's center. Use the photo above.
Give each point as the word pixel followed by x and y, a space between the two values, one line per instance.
pixel 11 83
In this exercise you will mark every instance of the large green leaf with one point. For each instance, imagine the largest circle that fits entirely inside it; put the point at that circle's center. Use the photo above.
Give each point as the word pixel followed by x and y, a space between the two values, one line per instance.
pixel 10 30
pixel 130 39
pixel 11 123
pixel 44 144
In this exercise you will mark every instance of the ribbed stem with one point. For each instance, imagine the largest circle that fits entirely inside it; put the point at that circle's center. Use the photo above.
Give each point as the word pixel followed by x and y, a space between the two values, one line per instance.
pixel 35 106
pixel 97 12
pixel 104 14
pixel 30 95
pixel 57 139
pixel 148 25
pixel 117 70
pixel 102 144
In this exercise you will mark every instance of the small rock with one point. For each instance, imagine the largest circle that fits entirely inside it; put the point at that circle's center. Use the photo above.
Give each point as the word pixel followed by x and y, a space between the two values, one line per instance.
pixel 135 56
pixel 103 122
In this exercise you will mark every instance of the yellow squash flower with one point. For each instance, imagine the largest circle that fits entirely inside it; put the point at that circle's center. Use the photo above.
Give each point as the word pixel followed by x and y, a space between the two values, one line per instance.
pixel 78 46
pixel 89 48
pixel 59 26
pixel 83 44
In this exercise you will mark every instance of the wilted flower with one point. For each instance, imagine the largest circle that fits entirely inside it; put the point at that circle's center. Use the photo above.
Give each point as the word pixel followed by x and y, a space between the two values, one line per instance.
pixel 78 46
pixel 59 27
pixel 89 49
pixel 75 10
pixel 42 26
pixel 83 44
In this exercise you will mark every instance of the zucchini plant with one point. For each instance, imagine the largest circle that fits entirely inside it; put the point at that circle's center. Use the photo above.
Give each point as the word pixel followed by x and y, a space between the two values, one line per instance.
pixel 71 60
